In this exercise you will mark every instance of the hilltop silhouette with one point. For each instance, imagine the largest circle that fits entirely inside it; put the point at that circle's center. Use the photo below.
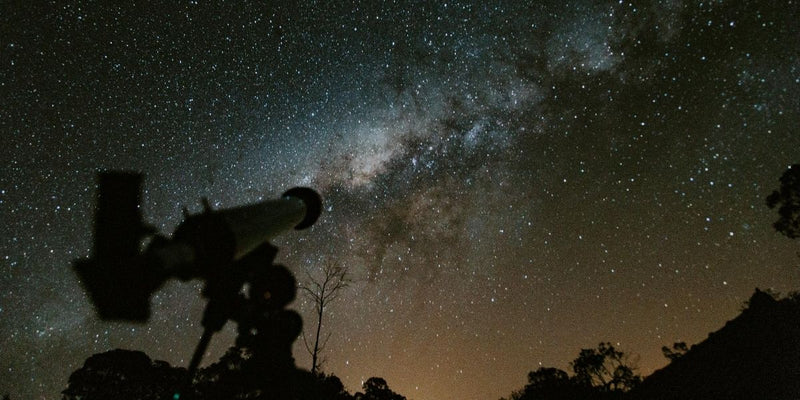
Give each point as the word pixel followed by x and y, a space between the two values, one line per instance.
pixel 754 356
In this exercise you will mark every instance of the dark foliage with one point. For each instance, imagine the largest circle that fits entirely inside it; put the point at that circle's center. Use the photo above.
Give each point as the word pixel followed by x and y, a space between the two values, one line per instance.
pixel 238 374
pixel 787 200
pixel 377 389
pixel 320 386
pixel 550 384
pixel 124 375
pixel 224 379
pixel 601 373
pixel 677 351
pixel 604 369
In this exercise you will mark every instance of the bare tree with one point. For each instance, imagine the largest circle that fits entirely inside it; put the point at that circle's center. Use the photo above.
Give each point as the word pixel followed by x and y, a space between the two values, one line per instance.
pixel 322 290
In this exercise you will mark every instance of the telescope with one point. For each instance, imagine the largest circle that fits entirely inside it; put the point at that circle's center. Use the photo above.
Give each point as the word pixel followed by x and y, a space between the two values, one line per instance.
pixel 122 272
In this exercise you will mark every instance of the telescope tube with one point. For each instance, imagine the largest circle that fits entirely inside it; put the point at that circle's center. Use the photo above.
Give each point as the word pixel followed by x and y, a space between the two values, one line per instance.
pixel 219 237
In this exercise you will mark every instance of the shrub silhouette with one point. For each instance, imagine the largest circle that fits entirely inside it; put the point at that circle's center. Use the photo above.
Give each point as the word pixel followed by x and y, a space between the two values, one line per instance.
pixel 125 375
pixel 377 389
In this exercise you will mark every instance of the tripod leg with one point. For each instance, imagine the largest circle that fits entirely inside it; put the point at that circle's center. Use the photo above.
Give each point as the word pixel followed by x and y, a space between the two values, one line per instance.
pixel 199 351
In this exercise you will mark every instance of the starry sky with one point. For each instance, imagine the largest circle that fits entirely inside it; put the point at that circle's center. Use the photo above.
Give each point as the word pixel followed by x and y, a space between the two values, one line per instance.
pixel 507 182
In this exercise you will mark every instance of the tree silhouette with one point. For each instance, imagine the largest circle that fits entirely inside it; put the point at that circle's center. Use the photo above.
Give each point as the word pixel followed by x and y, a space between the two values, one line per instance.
pixel 235 376
pixel 602 373
pixel 225 378
pixel 322 291
pixel 604 368
pixel 125 375
pixel 787 199
pixel 550 384
pixel 321 387
pixel 677 351
pixel 377 389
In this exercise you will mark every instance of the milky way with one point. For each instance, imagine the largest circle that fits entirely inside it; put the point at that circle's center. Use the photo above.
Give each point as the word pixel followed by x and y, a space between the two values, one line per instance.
pixel 507 183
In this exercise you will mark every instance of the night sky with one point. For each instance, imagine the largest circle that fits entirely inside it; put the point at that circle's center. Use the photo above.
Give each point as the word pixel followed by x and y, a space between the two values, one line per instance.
pixel 508 183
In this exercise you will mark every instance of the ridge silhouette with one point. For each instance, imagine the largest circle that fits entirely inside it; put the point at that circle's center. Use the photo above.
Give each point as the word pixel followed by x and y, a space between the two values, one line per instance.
pixel 754 356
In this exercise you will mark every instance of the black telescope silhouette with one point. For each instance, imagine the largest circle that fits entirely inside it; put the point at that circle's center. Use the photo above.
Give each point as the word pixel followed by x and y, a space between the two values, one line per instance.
pixel 120 276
